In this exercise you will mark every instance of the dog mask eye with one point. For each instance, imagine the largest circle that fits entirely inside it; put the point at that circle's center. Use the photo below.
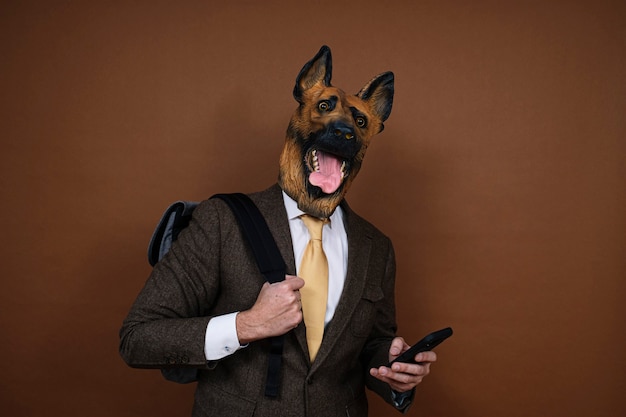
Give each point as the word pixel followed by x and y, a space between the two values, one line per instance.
pixel 324 106
pixel 360 121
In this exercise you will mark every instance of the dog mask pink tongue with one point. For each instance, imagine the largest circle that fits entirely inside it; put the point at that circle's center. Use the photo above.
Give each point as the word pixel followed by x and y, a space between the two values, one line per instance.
pixel 329 176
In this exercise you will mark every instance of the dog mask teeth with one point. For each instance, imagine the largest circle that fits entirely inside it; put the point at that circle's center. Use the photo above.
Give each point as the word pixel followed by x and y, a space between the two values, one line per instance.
pixel 316 163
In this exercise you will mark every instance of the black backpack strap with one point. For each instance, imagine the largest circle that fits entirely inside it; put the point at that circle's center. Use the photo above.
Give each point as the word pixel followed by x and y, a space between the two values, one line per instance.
pixel 271 265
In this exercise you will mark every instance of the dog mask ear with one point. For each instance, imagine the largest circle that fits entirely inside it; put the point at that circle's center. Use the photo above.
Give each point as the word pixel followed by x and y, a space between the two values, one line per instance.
pixel 317 70
pixel 379 94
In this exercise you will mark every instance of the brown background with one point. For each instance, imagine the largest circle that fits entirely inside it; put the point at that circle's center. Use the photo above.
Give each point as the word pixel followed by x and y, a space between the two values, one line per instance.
pixel 500 178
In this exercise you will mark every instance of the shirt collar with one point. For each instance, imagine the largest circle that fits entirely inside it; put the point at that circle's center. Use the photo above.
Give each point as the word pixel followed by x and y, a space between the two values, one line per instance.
pixel 291 206
pixel 293 212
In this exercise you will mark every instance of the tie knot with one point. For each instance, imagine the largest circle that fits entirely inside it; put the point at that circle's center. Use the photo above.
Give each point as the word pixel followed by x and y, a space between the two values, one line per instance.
pixel 314 225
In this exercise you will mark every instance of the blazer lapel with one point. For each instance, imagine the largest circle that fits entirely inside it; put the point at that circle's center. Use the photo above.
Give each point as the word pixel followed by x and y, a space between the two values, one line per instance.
pixel 270 203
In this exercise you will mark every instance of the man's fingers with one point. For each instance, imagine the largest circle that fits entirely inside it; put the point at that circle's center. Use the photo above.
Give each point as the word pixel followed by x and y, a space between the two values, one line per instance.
pixel 404 376
pixel 398 345
pixel 401 377
pixel 294 283
pixel 426 357
pixel 422 369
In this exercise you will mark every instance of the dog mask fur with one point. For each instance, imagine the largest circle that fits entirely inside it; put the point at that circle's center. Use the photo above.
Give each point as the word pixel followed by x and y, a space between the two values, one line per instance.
pixel 328 135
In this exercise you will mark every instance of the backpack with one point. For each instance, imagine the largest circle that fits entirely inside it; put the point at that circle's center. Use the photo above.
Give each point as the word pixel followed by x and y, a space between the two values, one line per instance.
pixel 266 253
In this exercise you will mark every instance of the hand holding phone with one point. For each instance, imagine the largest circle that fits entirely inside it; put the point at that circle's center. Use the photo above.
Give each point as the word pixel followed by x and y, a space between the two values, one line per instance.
pixel 426 344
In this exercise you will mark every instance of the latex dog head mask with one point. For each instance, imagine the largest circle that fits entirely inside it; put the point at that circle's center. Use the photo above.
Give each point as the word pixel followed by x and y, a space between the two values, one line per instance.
pixel 328 135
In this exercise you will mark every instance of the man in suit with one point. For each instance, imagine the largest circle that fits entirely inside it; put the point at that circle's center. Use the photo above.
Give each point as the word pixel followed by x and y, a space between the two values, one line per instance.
pixel 207 306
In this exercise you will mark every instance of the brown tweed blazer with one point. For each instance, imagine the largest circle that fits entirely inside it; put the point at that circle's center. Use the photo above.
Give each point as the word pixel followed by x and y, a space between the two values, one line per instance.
pixel 210 271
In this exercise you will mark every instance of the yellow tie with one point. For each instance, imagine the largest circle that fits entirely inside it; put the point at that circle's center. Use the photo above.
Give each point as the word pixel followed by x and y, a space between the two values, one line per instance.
pixel 314 272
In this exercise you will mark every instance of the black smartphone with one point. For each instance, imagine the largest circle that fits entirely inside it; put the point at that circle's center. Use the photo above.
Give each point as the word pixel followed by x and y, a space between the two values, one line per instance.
pixel 426 344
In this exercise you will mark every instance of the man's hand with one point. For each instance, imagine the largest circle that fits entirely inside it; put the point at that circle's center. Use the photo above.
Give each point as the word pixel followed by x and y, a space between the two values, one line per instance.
pixel 277 310
pixel 404 377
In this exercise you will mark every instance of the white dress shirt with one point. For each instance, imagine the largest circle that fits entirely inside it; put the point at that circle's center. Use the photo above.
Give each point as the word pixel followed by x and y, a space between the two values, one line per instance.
pixel 221 334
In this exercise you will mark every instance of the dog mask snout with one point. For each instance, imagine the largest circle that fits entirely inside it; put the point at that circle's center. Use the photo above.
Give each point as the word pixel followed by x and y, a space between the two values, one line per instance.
pixel 338 138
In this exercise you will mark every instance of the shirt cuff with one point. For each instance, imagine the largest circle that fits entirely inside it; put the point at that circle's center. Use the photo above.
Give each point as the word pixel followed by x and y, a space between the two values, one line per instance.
pixel 221 338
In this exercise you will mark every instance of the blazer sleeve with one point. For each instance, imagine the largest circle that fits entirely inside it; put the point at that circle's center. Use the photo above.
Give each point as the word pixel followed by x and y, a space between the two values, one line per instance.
pixel 167 323
pixel 376 351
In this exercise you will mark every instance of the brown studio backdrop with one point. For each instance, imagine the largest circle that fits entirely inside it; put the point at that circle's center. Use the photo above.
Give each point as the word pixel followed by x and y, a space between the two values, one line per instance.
pixel 499 178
